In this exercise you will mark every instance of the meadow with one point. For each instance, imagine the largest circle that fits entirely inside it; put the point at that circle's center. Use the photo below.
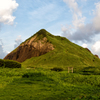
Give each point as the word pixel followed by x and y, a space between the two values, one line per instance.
pixel 45 84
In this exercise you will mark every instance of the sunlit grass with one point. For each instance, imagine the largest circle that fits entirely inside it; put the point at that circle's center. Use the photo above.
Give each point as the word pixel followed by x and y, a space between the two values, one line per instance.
pixel 43 84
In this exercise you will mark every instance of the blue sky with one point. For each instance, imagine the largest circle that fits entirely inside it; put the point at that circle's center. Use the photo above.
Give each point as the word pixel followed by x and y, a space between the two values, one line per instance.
pixel 77 20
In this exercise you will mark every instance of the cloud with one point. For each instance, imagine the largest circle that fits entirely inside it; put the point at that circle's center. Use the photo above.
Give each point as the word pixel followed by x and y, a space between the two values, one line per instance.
pixel 86 32
pixel 17 41
pixel 73 5
pixel 2 52
pixel 78 19
pixel 7 7
pixel 66 28
pixel 84 45
pixel 96 19
pixel 96 48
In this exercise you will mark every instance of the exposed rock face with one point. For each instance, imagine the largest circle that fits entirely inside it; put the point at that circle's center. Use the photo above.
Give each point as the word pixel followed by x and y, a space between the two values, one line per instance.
pixel 31 48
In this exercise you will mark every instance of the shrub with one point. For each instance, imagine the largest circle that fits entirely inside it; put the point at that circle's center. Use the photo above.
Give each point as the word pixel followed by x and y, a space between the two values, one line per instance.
pixel 57 69
pixel 2 64
pixel 91 70
pixel 63 38
pixel 26 75
pixel 12 64
pixel 30 74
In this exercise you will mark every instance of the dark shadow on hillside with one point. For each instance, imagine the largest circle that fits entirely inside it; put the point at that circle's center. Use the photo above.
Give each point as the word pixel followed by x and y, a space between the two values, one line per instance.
pixel 90 71
pixel 58 69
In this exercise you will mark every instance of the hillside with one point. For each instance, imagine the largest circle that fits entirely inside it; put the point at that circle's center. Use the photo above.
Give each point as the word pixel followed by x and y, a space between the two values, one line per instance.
pixel 34 46
pixel 44 49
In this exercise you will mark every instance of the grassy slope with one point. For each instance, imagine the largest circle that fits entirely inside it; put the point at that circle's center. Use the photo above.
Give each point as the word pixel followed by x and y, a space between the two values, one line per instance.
pixel 47 85
pixel 66 54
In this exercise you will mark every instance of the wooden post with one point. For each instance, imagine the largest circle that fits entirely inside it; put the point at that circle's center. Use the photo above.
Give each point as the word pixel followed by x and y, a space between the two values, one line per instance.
pixel 70 69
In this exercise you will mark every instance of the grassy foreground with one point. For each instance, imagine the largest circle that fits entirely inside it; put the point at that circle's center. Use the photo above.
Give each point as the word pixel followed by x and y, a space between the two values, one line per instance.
pixel 44 84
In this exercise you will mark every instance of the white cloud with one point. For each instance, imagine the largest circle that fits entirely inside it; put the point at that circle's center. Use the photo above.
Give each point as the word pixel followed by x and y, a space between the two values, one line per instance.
pixel 96 48
pixel 84 45
pixel 86 32
pixel 96 20
pixel 7 7
pixel 78 19
pixel 66 28
pixel 2 52
pixel 73 6
pixel 18 41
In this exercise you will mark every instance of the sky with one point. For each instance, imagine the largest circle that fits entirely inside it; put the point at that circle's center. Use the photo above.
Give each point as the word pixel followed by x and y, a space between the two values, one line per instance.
pixel 77 20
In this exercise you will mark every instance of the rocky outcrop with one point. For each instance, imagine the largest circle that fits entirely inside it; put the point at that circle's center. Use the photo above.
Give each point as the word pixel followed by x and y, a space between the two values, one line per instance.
pixel 88 50
pixel 31 48
pixel 97 56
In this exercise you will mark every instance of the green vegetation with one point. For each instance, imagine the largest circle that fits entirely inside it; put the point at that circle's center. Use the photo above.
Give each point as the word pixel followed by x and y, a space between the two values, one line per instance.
pixel 9 64
pixel 40 35
pixel 2 64
pixel 90 70
pixel 42 84
pixel 12 64
pixel 57 69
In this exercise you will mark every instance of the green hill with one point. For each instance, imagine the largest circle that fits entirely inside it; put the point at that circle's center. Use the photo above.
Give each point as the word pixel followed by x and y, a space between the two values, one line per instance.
pixel 65 54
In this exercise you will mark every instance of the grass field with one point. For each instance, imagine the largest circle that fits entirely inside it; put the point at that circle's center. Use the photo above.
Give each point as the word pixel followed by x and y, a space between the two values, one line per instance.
pixel 44 84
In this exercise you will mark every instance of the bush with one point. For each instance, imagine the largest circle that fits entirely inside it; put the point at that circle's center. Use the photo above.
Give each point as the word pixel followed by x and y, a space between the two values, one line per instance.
pixel 12 64
pixel 36 74
pixel 90 71
pixel 57 69
pixel 2 64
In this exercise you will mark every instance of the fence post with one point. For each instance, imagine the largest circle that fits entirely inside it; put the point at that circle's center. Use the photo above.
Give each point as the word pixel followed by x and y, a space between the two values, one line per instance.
pixel 70 69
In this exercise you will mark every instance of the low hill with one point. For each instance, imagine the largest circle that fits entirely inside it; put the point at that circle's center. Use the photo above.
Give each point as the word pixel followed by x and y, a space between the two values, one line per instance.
pixel 44 49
